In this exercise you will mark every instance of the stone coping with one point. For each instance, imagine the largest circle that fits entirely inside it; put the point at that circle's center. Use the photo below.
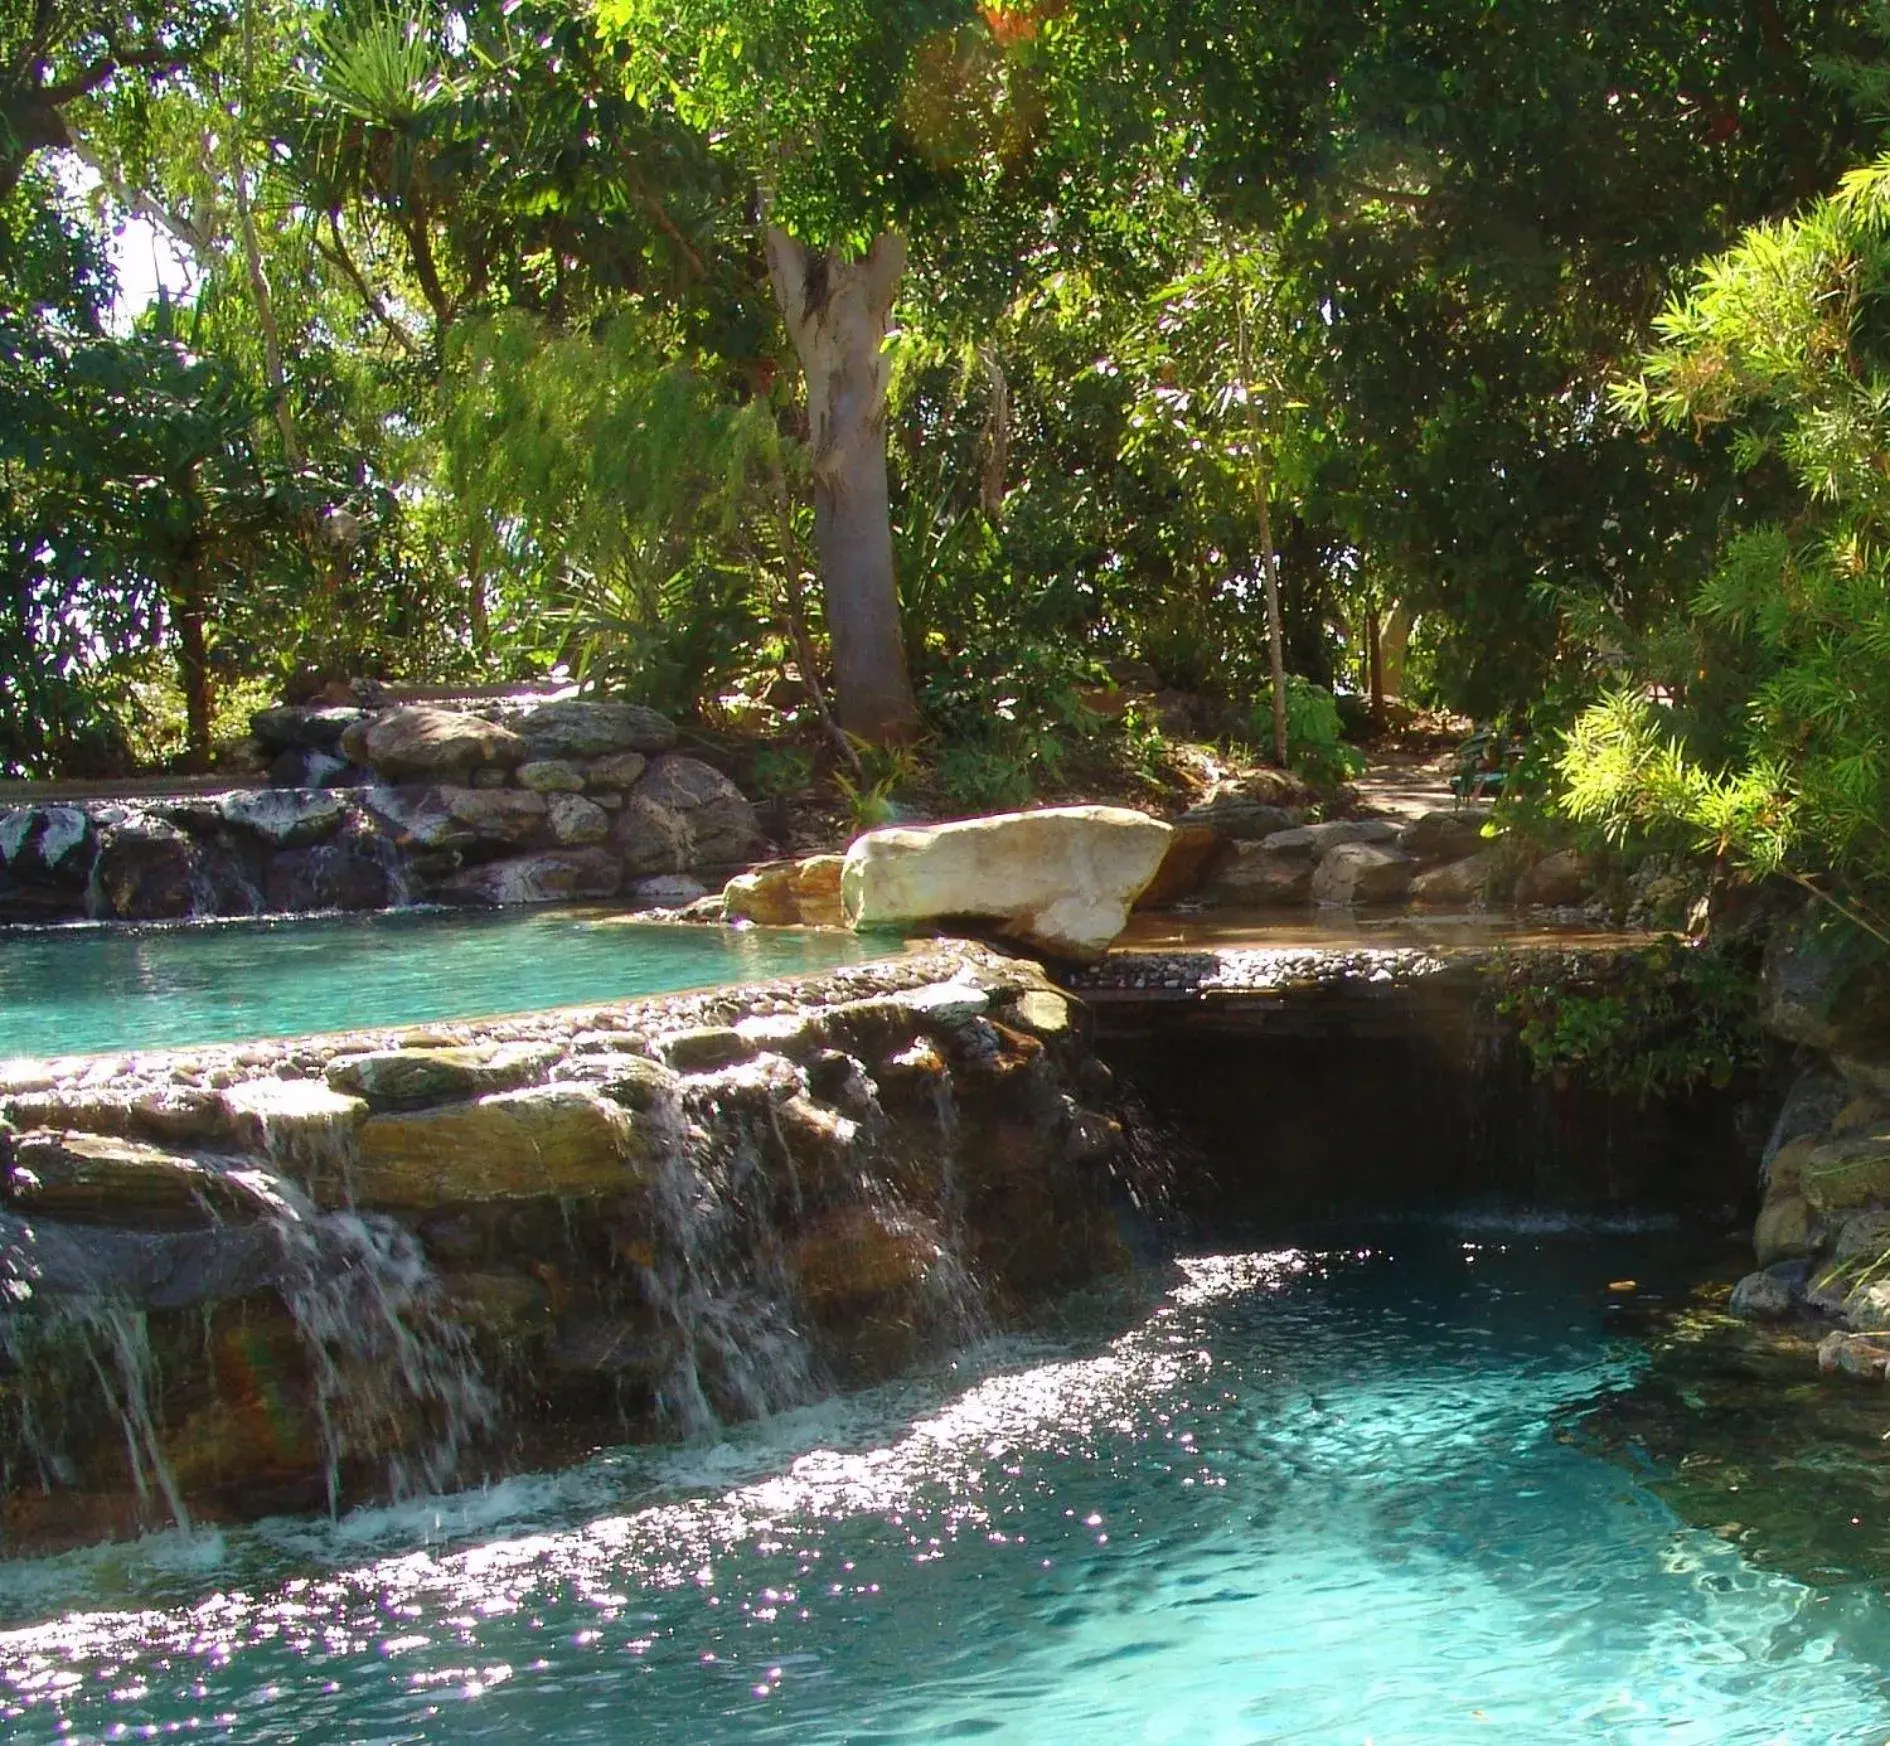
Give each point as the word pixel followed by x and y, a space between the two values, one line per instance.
pixel 1212 971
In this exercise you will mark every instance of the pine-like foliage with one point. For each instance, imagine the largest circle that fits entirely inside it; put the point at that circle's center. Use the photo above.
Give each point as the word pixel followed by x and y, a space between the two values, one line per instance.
pixel 1785 338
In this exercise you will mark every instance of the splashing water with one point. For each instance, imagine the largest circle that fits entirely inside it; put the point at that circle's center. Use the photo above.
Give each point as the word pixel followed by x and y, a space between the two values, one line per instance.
pixel 395 1379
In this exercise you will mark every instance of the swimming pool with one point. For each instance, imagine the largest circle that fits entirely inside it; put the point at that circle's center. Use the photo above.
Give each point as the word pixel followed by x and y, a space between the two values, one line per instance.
pixel 83 989
pixel 1328 1495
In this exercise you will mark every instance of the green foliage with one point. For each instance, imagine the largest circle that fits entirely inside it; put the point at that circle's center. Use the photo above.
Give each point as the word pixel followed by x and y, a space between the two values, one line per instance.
pixel 1315 742
pixel 783 770
pixel 1666 1020
pixel 1775 748
pixel 871 793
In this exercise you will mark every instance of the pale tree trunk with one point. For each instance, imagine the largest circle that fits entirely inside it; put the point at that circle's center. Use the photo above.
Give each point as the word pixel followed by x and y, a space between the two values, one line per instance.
pixel 1262 473
pixel 837 313
pixel 1393 645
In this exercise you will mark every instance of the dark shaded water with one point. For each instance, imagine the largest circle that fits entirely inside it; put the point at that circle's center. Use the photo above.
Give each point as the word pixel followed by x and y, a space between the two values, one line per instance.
pixel 1342 1495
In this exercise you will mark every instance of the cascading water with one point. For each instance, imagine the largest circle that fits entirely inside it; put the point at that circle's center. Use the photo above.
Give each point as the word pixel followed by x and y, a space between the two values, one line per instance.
pixel 109 1342
pixel 395 1378
pixel 714 1275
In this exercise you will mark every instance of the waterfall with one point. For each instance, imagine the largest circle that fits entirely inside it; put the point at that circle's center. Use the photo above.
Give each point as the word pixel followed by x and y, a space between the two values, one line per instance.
pixel 394 1376
pixel 109 1341
pixel 715 1275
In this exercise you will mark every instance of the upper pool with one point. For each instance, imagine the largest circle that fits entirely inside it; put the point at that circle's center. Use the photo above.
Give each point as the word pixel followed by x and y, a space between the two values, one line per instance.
pixel 84 990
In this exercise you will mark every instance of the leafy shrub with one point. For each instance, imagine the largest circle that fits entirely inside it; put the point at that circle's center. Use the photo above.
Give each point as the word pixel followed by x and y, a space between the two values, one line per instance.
pixel 1315 738
pixel 1674 1017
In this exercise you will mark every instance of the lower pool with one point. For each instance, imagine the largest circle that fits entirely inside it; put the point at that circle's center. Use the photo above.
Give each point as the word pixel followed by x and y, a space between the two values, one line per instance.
pixel 1323 1496
pixel 83 990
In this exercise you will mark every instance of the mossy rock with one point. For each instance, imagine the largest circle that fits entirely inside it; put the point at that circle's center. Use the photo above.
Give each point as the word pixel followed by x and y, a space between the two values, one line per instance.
pixel 1853 1171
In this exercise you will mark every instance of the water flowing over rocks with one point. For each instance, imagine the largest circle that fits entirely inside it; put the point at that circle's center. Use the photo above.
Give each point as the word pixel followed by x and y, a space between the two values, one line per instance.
pixel 284 1274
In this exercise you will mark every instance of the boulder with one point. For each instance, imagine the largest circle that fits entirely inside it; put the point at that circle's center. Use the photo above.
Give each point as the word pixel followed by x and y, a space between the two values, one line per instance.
pixel 582 727
pixel 684 814
pixel 616 772
pixel 557 876
pixel 1810 1107
pixel 1062 879
pixel 550 776
pixel 1783 1230
pixel 1865 1234
pixel 1238 818
pixel 764 895
pixel 852 1257
pixel 295 1122
pixel 304 728
pixel 817 891
pixel 1771 1294
pixel 355 869
pixel 1557 881
pixel 575 820
pixel 703 1049
pixel 1847 1173
pixel 1315 842
pixel 46 842
pixel 1827 985
pixel 548 1140
pixel 1257 876
pixel 1356 873
pixel 673 891
pixel 450 816
pixel 104 1179
pixel 286 818
pixel 1445 834
pixel 1864 1356
pixel 417 739
pixel 147 870
pixel 1190 852
pixel 1453 885
pixel 396 1078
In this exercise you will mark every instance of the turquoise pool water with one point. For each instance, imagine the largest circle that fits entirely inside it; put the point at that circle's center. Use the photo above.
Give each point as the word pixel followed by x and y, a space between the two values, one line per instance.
pixel 1335 1497
pixel 82 990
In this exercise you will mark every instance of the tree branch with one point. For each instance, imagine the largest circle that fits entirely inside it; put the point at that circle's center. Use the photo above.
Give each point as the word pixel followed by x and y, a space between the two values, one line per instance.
pixel 339 256
pixel 143 204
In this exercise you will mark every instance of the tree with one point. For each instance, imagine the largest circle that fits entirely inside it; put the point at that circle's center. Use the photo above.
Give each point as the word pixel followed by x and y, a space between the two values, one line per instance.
pixel 1787 767
pixel 54 54
pixel 1485 205
pixel 862 128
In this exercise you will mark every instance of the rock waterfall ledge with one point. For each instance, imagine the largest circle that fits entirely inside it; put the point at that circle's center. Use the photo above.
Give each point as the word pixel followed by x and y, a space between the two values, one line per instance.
pixel 251 1277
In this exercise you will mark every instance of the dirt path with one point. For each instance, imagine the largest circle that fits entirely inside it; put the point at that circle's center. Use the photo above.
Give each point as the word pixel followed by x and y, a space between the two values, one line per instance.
pixel 1405 785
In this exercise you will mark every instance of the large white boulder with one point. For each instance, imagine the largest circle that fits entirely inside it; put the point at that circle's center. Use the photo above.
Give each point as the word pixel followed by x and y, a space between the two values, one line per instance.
pixel 1061 880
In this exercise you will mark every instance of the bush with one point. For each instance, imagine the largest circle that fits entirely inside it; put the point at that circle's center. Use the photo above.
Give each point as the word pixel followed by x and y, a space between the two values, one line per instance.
pixel 1315 736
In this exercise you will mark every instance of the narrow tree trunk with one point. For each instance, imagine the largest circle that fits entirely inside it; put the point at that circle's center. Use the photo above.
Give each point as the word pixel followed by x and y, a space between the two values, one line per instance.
pixel 193 671
pixel 1394 644
pixel 1269 559
pixel 997 433
pixel 1276 631
pixel 253 261
pixel 837 312
pixel 1375 668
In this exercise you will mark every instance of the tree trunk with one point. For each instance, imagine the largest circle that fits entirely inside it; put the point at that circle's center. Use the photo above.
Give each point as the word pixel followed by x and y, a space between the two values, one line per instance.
pixel 1262 474
pixel 1393 645
pixel 837 313
pixel 193 669
pixel 1375 668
